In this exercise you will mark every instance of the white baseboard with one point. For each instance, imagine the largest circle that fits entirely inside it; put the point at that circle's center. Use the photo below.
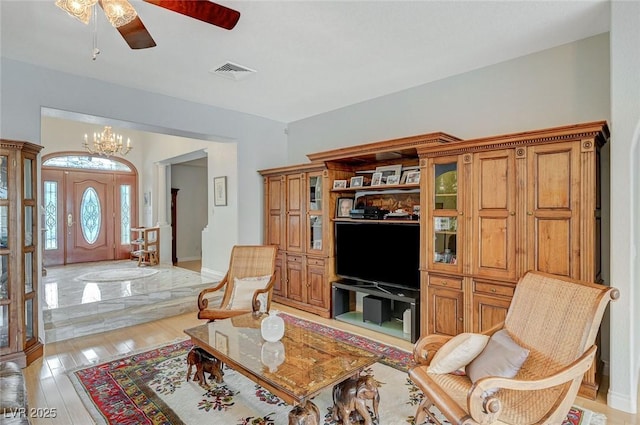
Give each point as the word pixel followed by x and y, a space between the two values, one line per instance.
pixel 211 273
pixel 622 402
pixel 182 259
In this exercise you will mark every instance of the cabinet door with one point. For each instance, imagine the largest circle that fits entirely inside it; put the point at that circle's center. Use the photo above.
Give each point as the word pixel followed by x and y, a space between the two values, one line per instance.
pixel 315 205
pixel 491 301
pixel 445 305
pixel 295 278
pixel 494 214
pixel 295 211
pixel 9 317
pixel 278 286
pixel 275 211
pixel 553 203
pixel 445 311
pixel 317 285
pixel 488 311
pixel 444 229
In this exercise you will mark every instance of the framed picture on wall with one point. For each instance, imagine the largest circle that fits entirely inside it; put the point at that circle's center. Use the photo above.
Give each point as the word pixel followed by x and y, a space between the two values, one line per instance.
pixel 220 191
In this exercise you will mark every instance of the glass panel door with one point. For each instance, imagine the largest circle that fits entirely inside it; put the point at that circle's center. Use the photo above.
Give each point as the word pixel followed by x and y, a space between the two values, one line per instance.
pixel 314 212
pixel 445 214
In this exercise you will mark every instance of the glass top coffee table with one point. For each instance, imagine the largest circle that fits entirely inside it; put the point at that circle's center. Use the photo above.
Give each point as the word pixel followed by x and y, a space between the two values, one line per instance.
pixel 296 368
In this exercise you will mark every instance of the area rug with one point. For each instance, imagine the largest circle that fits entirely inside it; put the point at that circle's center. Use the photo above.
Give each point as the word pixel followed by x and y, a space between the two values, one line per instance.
pixel 117 274
pixel 151 388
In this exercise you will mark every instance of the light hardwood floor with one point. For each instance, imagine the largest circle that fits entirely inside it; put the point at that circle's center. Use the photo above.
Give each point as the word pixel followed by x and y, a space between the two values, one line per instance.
pixel 49 387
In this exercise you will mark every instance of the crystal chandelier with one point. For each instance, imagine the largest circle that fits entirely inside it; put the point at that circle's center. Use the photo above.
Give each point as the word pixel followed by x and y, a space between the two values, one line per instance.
pixel 107 143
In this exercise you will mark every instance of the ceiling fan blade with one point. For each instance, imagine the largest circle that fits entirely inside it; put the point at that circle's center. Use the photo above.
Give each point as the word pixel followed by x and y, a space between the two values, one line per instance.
pixel 203 10
pixel 136 35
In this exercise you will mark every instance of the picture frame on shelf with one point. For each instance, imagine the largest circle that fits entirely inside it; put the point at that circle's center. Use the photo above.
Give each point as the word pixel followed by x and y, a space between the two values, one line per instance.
pixel 393 179
pixel 344 207
pixel 357 181
pixel 403 179
pixel 376 179
pixel 339 184
pixel 389 170
pixel 413 177
pixel 220 191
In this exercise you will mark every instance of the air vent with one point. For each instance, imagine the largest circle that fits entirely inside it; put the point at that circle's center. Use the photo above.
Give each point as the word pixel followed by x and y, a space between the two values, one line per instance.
pixel 232 71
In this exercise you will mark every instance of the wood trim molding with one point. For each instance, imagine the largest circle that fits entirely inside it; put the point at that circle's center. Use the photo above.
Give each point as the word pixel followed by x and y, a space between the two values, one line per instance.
pixel 594 132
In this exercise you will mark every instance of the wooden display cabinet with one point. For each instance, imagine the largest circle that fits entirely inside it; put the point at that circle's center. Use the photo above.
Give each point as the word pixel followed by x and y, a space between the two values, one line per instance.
pixel 525 201
pixel 19 254
pixel 491 209
pixel 296 202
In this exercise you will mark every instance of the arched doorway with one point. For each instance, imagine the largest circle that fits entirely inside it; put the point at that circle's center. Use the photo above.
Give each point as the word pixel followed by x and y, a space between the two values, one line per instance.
pixel 89 207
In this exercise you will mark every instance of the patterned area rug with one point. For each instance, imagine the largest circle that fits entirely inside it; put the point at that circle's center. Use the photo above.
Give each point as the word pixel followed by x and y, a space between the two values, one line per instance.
pixel 151 388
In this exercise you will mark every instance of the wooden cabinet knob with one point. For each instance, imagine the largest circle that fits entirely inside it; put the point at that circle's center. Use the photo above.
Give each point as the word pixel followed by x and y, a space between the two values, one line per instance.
pixel 512 213
pixel 443 283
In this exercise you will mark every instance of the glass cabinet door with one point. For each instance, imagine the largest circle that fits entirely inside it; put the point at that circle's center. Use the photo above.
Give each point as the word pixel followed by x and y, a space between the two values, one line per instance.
pixel 314 212
pixel 445 214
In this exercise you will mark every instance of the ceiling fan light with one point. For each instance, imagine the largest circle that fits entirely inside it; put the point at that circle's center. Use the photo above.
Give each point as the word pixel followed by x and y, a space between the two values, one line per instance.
pixel 119 12
pixel 79 9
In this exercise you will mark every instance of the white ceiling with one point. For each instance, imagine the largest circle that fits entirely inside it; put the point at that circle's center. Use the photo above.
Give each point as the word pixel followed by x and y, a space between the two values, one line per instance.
pixel 311 56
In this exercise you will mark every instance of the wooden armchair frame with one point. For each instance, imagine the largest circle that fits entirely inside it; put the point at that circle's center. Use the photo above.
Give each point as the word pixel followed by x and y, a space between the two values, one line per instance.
pixel 544 308
pixel 246 261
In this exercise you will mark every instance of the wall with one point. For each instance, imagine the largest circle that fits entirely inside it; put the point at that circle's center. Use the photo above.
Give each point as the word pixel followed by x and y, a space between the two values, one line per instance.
pixel 625 207
pixel 260 143
pixel 564 85
pixel 192 207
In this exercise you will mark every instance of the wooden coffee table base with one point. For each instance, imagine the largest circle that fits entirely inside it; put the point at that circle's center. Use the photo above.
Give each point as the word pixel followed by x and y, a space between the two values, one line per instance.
pixel 303 370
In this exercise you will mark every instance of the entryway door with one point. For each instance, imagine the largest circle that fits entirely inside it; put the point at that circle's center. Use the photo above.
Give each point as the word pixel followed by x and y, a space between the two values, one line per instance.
pixel 87 215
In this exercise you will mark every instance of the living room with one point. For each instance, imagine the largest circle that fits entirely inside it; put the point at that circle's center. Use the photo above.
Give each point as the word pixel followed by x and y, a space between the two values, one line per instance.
pixel 567 84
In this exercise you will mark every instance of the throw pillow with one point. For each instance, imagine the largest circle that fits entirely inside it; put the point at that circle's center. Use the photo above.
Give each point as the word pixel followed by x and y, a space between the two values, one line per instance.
pixel 501 357
pixel 243 290
pixel 457 352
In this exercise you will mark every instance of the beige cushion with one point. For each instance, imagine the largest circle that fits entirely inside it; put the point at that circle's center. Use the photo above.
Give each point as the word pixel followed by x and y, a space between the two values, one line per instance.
pixel 501 357
pixel 457 352
pixel 243 290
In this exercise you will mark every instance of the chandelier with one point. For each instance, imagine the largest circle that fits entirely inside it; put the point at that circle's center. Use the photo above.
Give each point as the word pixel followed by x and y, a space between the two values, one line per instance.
pixel 107 143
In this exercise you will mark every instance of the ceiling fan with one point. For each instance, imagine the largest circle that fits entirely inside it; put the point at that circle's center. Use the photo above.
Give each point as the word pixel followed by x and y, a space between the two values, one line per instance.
pixel 125 19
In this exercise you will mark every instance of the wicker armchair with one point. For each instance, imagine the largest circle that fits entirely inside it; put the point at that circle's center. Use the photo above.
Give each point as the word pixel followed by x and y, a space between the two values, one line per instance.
pixel 247 262
pixel 557 319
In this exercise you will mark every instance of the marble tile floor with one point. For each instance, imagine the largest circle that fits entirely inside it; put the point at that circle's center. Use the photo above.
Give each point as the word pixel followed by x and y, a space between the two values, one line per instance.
pixel 89 298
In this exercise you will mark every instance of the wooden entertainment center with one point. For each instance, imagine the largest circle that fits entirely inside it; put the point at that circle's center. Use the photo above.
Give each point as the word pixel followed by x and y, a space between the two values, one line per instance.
pixel 490 209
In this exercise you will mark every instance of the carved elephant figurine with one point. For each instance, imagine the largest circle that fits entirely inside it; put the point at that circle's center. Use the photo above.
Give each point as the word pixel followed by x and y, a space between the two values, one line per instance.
pixel 306 414
pixel 351 396
pixel 204 363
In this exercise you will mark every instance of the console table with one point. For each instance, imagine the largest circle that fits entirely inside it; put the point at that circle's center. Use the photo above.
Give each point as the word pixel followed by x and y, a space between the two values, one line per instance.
pixel 343 292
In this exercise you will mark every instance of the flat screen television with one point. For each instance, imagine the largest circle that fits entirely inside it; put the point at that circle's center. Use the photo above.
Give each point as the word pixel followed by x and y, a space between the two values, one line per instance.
pixel 384 253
